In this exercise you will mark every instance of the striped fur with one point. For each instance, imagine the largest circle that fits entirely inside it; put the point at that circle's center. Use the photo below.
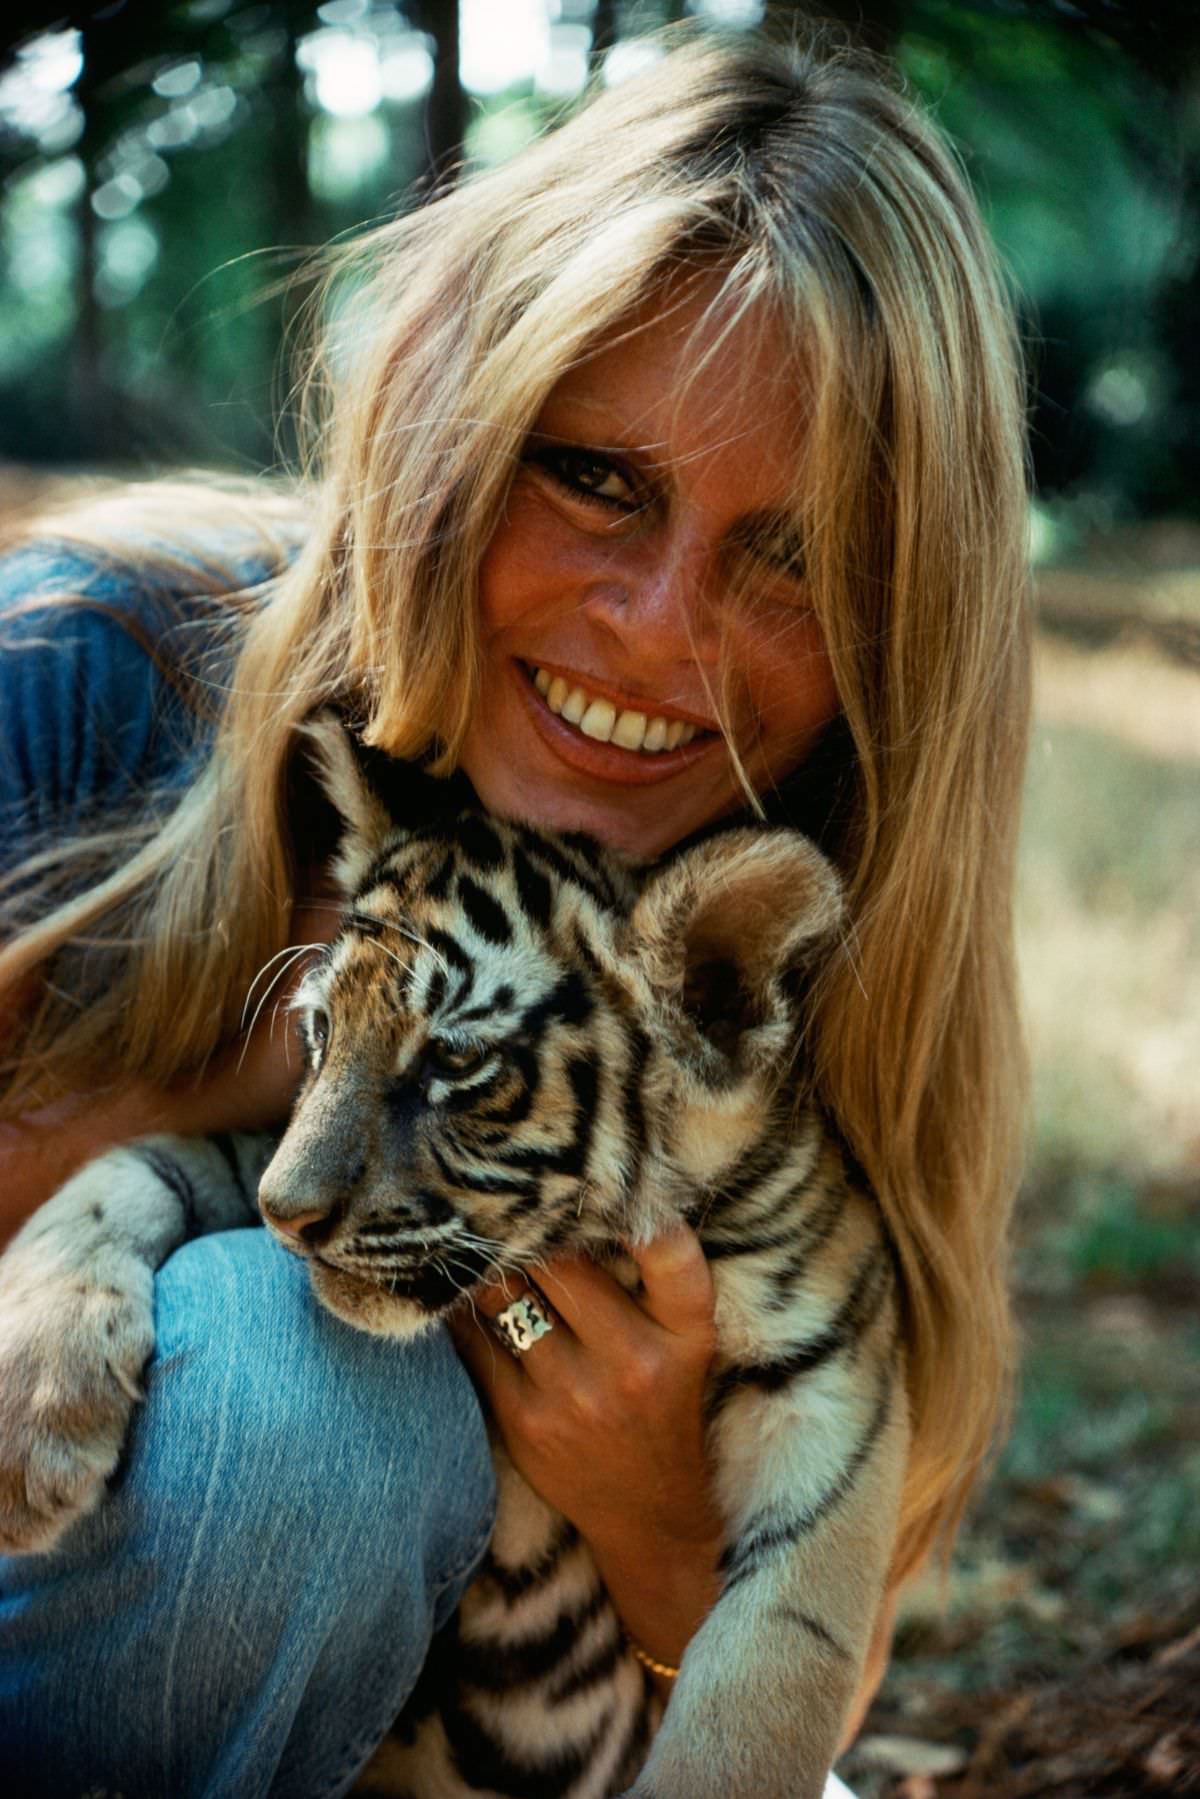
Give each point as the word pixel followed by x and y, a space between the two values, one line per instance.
pixel 538 1050
pixel 517 1045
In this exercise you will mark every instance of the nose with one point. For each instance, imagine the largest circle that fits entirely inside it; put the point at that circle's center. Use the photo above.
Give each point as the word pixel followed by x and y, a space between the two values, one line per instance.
pixel 312 1227
pixel 661 597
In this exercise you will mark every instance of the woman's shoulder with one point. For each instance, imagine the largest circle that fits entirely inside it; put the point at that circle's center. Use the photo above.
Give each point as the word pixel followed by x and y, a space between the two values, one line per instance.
pixel 112 662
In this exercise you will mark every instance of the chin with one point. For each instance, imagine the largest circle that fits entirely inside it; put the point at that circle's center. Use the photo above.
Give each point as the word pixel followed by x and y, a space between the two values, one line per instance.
pixel 368 1307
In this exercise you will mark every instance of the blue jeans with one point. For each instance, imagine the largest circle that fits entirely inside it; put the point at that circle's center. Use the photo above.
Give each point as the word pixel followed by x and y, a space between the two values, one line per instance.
pixel 300 1508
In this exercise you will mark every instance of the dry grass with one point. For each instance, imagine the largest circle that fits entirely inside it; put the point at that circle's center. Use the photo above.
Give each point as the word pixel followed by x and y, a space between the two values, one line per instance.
pixel 1109 906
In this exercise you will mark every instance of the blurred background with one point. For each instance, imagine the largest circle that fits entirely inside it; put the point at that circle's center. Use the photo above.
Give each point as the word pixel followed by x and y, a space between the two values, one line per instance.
pixel 165 167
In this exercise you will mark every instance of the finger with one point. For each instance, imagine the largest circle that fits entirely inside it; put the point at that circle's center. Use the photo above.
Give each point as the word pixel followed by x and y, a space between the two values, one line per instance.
pixel 526 1327
pixel 677 1285
pixel 588 1298
pixel 492 1366
pixel 505 1291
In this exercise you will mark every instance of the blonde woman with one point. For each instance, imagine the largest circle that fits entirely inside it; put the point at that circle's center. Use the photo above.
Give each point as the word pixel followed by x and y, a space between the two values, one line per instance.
pixel 709 406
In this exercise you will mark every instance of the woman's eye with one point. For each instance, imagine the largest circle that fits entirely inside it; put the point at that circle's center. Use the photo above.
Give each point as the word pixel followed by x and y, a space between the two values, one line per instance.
pixel 453 1060
pixel 587 474
pixel 780 553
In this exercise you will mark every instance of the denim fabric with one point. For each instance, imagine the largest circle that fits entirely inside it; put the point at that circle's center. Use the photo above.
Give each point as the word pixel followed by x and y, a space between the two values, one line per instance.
pixel 299 1510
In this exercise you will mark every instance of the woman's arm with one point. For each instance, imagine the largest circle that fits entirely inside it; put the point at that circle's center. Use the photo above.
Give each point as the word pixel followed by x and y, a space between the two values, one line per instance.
pixel 247 1087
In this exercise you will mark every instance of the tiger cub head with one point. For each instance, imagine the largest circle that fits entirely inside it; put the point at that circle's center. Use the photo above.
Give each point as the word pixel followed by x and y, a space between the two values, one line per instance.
pixel 518 1043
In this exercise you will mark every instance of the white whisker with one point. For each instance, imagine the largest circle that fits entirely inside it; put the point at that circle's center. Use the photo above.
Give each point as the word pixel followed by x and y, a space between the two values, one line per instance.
pixel 281 973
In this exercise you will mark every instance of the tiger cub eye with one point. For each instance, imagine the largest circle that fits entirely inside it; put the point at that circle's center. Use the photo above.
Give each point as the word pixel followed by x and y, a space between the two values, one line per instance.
pixel 453 1060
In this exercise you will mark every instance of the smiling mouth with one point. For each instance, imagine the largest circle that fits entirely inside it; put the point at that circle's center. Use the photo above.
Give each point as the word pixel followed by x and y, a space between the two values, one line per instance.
pixel 593 716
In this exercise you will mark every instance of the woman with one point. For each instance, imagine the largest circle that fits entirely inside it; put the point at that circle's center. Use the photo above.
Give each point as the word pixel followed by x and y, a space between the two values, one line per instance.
pixel 700 423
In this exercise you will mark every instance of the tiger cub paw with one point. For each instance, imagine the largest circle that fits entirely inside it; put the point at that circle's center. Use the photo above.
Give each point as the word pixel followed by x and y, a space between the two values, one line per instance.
pixel 72 1349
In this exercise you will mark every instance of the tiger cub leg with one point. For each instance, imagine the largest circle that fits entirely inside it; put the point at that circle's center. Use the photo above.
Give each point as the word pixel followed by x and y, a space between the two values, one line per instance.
pixel 77 1315
pixel 812 1503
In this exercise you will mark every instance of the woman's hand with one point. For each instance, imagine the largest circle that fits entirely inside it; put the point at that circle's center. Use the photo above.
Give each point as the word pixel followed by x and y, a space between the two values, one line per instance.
pixel 604 1418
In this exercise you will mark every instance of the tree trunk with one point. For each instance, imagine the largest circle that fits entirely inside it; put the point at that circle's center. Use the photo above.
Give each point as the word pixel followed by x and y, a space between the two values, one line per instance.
pixel 446 114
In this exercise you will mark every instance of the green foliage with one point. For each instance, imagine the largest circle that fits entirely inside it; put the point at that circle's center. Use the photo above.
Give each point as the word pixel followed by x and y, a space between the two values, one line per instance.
pixel 1086 167
pixel 193 154
pixel 1117 1241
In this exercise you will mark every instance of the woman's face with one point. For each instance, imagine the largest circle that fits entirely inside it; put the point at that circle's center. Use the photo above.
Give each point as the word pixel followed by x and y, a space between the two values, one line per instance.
pixel 648 560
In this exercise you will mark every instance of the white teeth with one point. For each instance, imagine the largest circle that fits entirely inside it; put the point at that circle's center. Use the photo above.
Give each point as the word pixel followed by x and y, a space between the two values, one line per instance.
pixel 600 720
pixel 630 730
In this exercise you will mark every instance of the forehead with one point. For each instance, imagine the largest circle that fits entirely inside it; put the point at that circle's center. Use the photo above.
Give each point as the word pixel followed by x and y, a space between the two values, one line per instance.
pixel 694 382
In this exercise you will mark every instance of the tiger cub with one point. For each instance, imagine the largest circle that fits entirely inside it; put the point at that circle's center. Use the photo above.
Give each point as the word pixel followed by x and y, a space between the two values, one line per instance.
pixel 542 1050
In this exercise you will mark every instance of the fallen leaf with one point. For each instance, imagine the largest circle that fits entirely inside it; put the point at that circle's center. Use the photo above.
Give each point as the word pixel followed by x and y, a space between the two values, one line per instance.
pixel 908 1755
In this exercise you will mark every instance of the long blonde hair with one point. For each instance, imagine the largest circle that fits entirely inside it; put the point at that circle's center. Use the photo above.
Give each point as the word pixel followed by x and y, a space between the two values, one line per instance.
pixel 806 179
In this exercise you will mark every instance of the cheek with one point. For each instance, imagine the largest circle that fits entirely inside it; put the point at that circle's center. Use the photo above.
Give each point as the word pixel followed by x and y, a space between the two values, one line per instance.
pixel 516 566
pixel 783 667
pixel 537 565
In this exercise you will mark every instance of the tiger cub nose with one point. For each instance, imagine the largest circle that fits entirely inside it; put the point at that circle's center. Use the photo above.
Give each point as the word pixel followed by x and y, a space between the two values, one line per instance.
pixel 310 1227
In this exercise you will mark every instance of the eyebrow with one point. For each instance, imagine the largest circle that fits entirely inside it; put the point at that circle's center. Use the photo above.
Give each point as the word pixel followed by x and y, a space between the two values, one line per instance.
pixel 779 535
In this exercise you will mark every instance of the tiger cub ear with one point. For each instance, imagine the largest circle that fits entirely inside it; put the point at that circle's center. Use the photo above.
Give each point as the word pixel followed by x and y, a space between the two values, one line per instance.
pixel 366 821
pixel 715 929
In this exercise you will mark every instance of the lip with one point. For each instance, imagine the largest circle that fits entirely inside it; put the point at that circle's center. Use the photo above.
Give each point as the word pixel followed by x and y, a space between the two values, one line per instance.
pixel 606 761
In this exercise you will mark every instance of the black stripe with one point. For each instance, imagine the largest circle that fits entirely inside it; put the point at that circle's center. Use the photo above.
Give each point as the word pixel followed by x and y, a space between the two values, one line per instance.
pixel 764 1535
pixel 435 992
pixel 484 914
pixel 813 1627
pixel 501 1118
pixel 718 1249
pixel 486 1768
pixel 451 951
pixel 634 1111
pixel 501 1001
pixel 514 1583
pixel 754 1169
pixel 814 1233
pixel 533 890
pixel 382 874
pixel 425 1197
pixel 568 1002
pixel 583 1072
pixel 437 885
pixel 541 849
pixel 226 1148
pixel 478 841
pixel 500 1666
pixel 594 859
pixel 598 1666
pixel 854 1316
pixel 633 1753
pixel 474 1182
pixel 177 1183
pixel 469 1096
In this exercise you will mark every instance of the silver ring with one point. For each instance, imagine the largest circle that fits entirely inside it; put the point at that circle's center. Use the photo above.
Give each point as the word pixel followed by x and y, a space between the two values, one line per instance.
pixel 520 1324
